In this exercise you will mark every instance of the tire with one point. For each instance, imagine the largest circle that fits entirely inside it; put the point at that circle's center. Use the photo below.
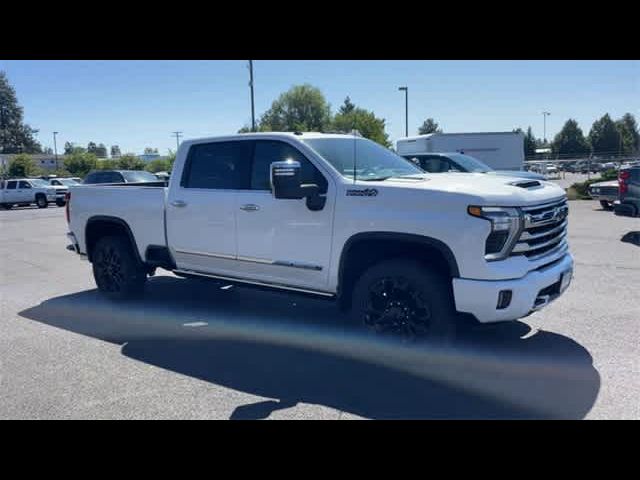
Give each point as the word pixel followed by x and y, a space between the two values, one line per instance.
pixel 116 271
pixel 41 201
pixel 606 205
pixel 405 299
pixel 7 206
pixel 61 203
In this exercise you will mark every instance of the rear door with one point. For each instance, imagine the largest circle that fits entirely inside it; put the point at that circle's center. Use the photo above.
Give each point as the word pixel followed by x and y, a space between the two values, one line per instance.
pixel 201 209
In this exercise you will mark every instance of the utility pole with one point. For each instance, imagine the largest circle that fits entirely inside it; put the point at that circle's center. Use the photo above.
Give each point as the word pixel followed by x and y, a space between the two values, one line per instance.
pixel 178 135
pixel 55 148
pixel 253 110
pixel 406 109
pixel 544 135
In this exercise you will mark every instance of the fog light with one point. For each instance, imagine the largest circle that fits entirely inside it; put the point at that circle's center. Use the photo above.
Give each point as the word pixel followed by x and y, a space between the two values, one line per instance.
pixel 504 299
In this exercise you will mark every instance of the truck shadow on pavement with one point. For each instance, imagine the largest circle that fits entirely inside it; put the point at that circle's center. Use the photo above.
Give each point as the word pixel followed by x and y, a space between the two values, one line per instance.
pixel 300 350
pixel 631 237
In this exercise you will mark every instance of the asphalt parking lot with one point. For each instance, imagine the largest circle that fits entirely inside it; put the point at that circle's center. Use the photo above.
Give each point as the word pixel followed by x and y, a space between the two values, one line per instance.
pixel 191 349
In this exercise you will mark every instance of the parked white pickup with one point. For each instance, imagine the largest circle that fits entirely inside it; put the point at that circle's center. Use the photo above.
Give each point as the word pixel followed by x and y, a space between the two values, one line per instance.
pixel 336 216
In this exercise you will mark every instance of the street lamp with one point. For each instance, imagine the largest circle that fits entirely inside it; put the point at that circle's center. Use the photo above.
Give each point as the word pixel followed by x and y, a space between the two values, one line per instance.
pixel 544 135
pixel 406 109
pixel 253 111
pixel 55 148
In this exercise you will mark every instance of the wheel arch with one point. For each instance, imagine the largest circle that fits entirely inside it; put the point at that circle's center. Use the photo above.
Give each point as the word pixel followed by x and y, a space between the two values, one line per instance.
pixel 363 250
pixel 102 225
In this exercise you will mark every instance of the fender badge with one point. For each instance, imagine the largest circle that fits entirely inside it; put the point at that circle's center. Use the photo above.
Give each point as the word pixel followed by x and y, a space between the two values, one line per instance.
pixel 368 192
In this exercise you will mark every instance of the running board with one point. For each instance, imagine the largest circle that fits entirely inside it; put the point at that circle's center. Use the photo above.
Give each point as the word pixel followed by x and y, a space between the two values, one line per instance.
pixel 256 283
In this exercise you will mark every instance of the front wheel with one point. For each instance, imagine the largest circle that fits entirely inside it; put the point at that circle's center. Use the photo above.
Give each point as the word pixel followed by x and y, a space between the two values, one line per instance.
pixel 405 299
pixel 60 203
pixel 41 201
pixel 117 272
pixel 606 205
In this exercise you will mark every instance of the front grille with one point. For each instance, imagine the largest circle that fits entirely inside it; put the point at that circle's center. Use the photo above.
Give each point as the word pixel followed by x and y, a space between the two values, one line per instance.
pixel 609 191
pixel 545 230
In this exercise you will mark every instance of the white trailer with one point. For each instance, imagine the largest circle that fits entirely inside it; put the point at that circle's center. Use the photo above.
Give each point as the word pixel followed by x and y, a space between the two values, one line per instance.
pixel 499 150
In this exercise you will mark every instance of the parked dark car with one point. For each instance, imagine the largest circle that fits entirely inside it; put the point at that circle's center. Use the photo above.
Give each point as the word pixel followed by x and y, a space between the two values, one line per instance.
pixel 459 162
pixel 120 176
pixel 629 192
pixel 606 192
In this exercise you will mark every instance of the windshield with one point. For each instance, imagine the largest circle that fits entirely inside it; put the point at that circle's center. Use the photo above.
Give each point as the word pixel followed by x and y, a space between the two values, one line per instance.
pixel 39 183
pixel 470 164
pixel 67 181
pixel 139 176
pixel 372 161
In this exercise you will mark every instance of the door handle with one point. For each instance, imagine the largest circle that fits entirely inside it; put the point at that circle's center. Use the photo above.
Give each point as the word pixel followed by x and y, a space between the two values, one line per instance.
pixel 250 207
pixel 179 203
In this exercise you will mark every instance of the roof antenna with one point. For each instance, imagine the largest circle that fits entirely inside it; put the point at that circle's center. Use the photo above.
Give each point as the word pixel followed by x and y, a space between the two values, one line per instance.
pixel 354 131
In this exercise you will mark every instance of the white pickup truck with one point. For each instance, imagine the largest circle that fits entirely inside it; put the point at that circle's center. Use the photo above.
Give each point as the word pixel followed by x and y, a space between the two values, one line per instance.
pixel 25 191
pixel 336 216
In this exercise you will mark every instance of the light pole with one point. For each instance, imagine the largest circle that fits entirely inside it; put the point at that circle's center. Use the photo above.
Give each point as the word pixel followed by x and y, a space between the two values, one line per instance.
pixel 55 148
pixel 406 109
pixel 253 110
pixel 544 134
pixel 178 135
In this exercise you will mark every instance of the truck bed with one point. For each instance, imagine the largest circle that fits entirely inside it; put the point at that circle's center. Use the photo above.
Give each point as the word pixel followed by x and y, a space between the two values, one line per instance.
pixel 140 205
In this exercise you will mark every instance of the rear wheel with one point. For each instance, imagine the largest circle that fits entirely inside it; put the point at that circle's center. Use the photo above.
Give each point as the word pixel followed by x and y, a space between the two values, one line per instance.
pixel 406 299
pixel 117 272
pixel 41 201
pixel 606 205
pixel 7 206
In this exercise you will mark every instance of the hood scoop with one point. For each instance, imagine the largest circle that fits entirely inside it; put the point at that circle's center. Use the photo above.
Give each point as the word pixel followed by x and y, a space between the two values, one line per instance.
pixel 528 184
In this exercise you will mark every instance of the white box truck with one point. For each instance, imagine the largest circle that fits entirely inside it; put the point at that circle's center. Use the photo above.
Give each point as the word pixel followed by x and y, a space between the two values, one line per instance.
pixel 499 150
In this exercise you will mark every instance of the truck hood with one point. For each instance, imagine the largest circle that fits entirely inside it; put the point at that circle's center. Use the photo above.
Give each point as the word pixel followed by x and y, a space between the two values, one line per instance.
pixel 479 188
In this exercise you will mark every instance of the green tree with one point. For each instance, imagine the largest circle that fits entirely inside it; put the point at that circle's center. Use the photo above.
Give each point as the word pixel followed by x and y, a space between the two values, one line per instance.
pixel 429 126
pixel 604 137
pixel 107 164
pixel 22 166
pixel 158 165
pixel 245 129
pixel 79 163
pixel 356 118
pixel 347 106
pixel 130 161
pixel 570 140
pixel 530 143
pixel 115 151
pixel 628 130
pixel 70 147
pixel 101 151
pixel 301 108
pixel 15 135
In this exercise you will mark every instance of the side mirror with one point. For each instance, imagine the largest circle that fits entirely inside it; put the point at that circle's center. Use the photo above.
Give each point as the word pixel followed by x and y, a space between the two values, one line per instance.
pixel 286 180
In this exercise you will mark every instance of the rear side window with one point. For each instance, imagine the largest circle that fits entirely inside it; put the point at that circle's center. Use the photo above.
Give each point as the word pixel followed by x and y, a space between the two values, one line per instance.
pixel 92 178
pixel 11 185
pixel 219 165
pixel 269 151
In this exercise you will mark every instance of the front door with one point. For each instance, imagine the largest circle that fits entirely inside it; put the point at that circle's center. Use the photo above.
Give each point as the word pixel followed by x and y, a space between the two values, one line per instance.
pixel 283 241
pixel 201 210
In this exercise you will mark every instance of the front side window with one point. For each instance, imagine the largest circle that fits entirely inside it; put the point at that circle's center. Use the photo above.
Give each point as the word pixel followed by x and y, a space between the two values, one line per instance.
pixel 268 151
pixel 219 165
pixel 24 184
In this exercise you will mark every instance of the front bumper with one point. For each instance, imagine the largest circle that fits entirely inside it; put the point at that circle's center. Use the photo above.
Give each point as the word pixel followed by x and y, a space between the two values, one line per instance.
pixel 480 297
pixel 51 198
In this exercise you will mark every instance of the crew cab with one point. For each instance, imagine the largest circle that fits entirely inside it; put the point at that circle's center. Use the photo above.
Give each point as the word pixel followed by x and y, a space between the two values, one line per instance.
pixel 26 191
pixel 339 217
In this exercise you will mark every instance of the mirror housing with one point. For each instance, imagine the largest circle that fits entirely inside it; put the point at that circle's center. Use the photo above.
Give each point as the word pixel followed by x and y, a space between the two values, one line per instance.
pixel 286 179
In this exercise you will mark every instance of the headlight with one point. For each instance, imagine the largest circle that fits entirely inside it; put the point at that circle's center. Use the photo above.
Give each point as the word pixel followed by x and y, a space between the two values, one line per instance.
pixel 506 224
